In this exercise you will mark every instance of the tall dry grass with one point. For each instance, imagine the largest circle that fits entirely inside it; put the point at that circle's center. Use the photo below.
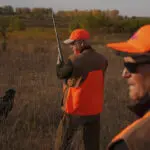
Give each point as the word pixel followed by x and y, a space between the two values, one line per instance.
pixel 29 66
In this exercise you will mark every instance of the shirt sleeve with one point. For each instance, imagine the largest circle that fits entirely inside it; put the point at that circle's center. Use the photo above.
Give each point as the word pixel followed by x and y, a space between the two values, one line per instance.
pixel 121 145
pixel 64 71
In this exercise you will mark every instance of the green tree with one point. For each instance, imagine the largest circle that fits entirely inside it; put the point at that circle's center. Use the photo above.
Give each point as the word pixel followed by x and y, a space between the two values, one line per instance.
pixel 7 10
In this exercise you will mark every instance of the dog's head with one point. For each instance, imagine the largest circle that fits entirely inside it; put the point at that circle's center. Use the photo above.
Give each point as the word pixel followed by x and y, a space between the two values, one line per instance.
pixel 10 93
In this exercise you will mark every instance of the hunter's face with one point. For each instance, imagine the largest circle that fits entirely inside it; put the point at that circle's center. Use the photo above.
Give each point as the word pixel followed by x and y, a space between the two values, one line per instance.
pixel 138 78
pixel 73 47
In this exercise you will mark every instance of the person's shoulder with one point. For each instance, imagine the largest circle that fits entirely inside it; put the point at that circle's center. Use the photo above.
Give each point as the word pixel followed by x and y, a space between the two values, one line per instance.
pixel 75 58
pixel 99 54
pixel 102 58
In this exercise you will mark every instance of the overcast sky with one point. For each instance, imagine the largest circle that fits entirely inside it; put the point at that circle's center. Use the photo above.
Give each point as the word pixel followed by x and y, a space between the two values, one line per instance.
pixel 126 7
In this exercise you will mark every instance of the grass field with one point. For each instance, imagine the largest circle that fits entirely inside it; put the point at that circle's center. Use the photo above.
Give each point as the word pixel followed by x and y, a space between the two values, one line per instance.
pixel 29 66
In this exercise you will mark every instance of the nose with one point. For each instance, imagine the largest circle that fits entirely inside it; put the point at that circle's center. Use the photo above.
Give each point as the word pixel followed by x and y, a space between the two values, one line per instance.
pixel 126 73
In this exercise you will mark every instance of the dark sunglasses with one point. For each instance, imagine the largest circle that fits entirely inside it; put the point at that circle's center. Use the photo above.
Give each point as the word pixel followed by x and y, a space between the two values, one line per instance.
pixel 132 67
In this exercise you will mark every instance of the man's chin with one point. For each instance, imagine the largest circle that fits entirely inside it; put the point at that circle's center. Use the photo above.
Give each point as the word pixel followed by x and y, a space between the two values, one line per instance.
pixel 133 96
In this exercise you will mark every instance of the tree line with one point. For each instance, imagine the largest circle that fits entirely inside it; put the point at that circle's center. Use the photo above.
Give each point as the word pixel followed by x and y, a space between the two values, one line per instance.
pixel 9 10
pixel 103 20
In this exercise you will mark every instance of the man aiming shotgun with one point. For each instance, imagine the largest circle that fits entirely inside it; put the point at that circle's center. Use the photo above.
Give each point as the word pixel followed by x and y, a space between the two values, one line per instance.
pixel 83 92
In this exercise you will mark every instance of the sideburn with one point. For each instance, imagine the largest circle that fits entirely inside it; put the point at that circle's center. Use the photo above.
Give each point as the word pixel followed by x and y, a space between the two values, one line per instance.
pixel 81 46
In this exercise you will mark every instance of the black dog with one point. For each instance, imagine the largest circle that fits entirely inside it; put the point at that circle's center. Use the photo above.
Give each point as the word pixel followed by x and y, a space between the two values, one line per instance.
pixel 6 103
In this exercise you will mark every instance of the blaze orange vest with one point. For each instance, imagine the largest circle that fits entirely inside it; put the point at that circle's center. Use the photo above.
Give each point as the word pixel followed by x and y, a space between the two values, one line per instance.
pixel 87 99
pixel 136 135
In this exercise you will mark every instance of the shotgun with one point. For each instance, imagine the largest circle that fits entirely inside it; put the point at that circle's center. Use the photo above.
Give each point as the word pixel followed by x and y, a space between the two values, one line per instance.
pixel 58 41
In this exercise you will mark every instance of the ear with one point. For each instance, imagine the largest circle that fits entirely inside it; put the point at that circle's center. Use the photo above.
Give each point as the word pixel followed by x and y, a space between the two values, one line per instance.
pixel 82 44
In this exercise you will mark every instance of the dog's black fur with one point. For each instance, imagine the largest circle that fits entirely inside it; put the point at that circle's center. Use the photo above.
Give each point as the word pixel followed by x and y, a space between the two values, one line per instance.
pixel 6 103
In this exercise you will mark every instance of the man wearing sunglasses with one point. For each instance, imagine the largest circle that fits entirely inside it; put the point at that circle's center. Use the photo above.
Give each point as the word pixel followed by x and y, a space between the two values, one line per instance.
pixel 82 102
pixel 136 56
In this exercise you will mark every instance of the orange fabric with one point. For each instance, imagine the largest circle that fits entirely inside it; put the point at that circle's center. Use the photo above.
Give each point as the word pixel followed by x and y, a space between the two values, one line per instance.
pixel 138 43
pixel 88 98
pixel 119 136
pixel 79 34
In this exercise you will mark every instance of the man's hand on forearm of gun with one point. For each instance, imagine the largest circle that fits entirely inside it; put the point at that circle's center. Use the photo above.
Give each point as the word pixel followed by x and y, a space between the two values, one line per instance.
pixel 64 70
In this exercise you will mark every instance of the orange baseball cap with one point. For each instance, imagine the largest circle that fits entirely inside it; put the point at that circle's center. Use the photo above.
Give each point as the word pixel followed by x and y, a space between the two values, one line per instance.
pixel 139 43
pixel 78 34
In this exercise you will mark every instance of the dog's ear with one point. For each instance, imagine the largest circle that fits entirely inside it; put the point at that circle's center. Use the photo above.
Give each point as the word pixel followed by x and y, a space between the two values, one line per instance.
pixel 10 92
